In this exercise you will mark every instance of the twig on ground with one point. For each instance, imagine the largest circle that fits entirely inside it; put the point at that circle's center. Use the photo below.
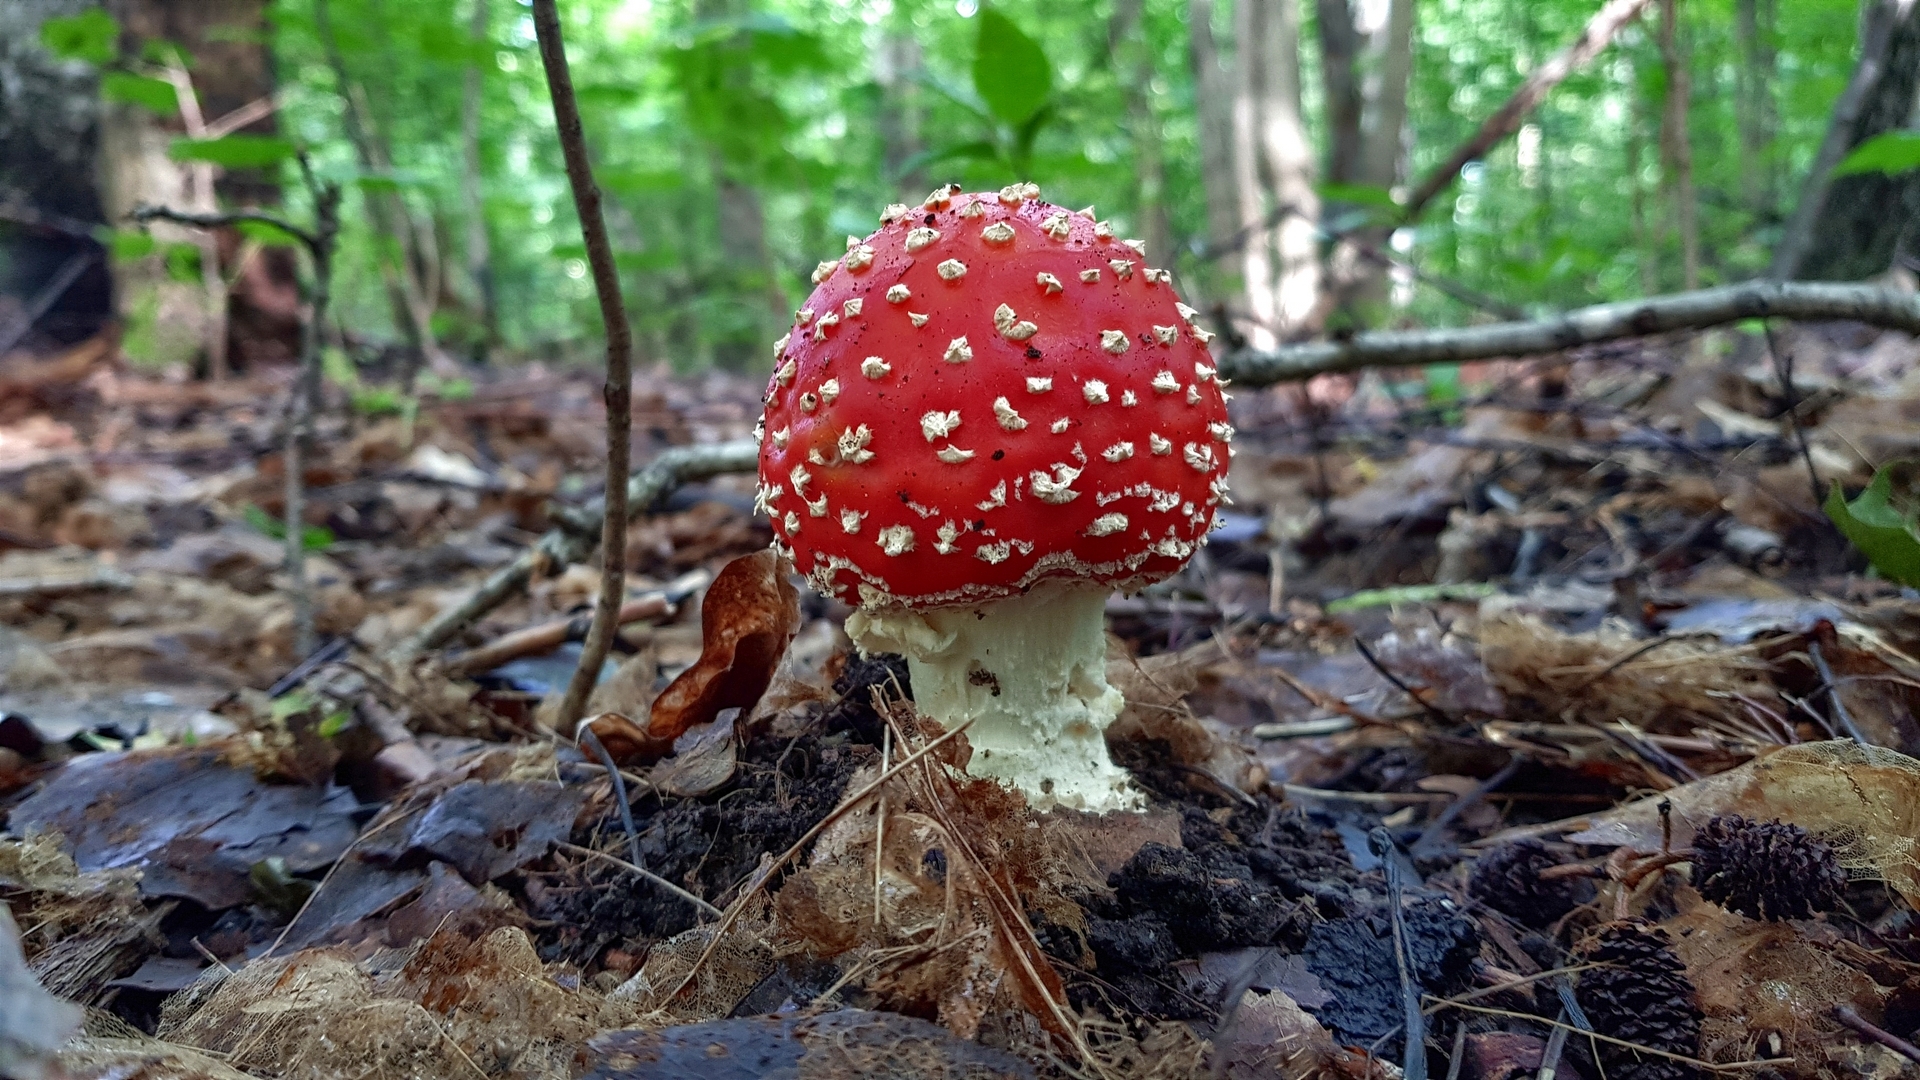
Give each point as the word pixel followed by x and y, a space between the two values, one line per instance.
pixel 1840 711
pixel 1437 828
pixel 1878 1034
pixel 578 531
pixel 619 385
pixel 1783 370
pixel 1698 310
pixel 633 868
pixel 1387 673
pixel 619 784
pixel 534 640
pixel 1414 1058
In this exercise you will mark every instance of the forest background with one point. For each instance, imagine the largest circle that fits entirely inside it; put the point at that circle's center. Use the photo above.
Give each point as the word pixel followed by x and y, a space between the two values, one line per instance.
pixel 1266 150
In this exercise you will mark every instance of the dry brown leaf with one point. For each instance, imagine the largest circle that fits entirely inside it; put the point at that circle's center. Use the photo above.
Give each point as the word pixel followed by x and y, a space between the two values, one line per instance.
pixel 1864 800
pixel 749 615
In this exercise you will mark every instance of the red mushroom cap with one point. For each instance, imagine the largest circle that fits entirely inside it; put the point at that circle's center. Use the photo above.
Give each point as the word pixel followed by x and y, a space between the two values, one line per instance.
pixel 989 391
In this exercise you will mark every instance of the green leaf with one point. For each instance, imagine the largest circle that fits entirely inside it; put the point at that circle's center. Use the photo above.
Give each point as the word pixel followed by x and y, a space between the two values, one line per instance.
pixel 1891 152
pixel 153 95
pixel 312 537
pixel 183 263
pixel 334 724
pixel 235 151
pixel 1879 529
pixel 266 235
pixel 126 245
pixel 1010 72
pixel 1411 594
pixel 1370 195
pixel 92 35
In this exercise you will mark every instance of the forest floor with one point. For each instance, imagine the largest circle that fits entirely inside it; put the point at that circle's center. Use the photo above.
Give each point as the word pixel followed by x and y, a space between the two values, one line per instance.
pixel 1447 728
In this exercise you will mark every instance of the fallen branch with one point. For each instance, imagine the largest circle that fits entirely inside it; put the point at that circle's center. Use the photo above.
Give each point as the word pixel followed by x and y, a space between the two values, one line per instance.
pixel 544 638
pixel 1807 301
pixel 578 532
pixel 1538 84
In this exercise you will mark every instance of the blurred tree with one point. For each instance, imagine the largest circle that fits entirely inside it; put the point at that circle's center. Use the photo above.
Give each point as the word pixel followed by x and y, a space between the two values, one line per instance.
pixel 1851 227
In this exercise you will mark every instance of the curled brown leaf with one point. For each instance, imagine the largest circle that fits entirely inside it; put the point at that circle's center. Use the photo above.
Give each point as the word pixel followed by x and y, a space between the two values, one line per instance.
pixel 750 614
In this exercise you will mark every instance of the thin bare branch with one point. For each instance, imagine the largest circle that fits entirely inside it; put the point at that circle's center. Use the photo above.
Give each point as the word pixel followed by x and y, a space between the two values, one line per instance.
pixel 1805 301
pixel 619 387
pixel 1538 84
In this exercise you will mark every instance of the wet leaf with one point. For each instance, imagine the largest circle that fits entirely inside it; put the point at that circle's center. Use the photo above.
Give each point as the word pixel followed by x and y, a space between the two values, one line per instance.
pixel 749 615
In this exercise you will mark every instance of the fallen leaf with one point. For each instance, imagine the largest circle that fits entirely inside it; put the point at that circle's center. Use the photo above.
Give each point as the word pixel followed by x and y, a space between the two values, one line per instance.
pixel 749 615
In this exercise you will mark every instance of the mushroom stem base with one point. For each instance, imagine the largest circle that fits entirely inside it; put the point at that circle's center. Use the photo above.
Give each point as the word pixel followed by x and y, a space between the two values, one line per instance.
pixel 1030 671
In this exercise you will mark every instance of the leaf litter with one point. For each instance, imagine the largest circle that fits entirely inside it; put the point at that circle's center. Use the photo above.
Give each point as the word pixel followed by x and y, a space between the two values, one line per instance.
pixel 1542 651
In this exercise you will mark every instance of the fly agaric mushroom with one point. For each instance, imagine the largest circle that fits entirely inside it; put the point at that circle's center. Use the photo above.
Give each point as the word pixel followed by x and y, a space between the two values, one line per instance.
pixel 988 416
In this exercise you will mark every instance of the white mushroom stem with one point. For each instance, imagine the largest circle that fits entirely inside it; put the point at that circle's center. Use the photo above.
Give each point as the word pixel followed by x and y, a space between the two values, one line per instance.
pixel 1030 671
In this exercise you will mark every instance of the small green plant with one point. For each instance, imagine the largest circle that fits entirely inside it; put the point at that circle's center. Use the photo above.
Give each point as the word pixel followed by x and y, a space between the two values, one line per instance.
pixel 312 537
pixel 1885 533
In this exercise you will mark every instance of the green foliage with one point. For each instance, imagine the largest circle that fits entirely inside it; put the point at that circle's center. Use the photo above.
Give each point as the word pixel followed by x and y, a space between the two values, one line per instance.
pixel 375 401
pixel 267 234
pixel 1010 71
pixel 1891 152
pixel 92 36
pixel 126 245
pixel 312 537
pixel 235 151
pixel 182 262
pixel 154 95
pixel 1884 532
pixel 738 142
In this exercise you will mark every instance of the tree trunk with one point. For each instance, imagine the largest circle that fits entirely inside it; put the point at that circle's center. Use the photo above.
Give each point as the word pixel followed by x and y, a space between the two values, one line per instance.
pixel 245 312
pixel 479 247
pixel 1273 166
pixel 1759 114
pixel 49 202
pixel 406 291
pixel 1340 47
pixel 1214 91
pixel 1850 228
pixel 1646 254
pixel 897 67
pixel 1676 145
pixel 1133 68
pixel 1532 90
pixel 1362 282
pixel 1383 152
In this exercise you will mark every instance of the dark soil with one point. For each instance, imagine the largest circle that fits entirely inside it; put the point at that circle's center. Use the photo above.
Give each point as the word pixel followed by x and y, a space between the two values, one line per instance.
pixel 1353 959
pixel 1244 876
pixel 707 845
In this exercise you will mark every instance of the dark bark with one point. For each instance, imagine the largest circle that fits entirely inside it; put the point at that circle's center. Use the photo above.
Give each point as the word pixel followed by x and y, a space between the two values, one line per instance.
pixel 1865 219
pixel 1340 74
pixel 49 135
